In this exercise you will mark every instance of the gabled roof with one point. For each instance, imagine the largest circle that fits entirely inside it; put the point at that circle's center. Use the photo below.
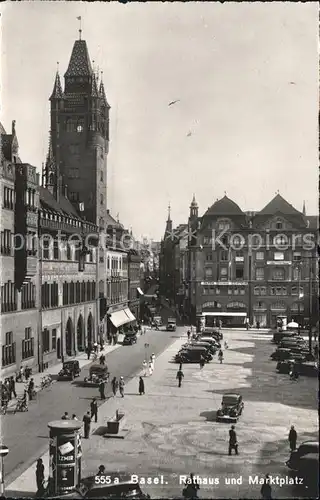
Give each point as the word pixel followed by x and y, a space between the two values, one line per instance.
pixel 224 206
pixel 79 64
pixel 48 201
pixel 103 95
pixel 110 221
pixel 279 204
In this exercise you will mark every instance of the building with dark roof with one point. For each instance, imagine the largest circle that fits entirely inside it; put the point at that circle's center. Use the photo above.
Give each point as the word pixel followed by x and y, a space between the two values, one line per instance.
pixel 19 187
pixel 246 266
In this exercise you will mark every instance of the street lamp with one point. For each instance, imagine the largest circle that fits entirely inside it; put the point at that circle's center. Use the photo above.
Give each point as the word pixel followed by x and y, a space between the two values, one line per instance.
pixel 299 295
pixel 4 450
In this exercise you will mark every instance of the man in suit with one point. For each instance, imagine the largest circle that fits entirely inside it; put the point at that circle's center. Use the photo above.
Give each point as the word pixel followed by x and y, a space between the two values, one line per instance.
pixel 233 442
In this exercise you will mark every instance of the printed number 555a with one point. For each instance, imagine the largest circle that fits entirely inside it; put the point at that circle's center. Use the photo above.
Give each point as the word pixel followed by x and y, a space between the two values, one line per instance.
pixel 102 479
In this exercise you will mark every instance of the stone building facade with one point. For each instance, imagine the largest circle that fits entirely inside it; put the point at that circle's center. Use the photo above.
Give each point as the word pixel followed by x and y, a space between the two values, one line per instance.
pixel 251 266
pixel 19 191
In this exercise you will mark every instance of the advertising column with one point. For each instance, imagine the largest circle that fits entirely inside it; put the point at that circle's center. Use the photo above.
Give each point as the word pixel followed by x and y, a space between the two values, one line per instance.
pixel 64 456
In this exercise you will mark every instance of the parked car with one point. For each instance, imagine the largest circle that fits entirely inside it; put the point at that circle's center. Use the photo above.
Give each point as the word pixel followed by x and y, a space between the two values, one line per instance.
pixel 212 331
pixel 171 325
pixel 97 373
pixel 130 338
pixel 193 355
pixel 308 471
pixel 231 408
pixel 212 340
pixel 210 347
pixel 306 448
pixel 282 354
pixel 70 370
pixel 293 343
pixel 278 336
pixel 307 368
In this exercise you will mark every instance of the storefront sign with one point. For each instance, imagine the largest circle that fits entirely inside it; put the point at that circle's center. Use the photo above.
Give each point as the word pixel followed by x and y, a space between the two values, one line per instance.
pixel 225 283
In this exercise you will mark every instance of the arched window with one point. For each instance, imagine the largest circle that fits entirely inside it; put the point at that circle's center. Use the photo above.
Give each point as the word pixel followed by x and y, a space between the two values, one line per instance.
pixel 70 125
pixel 279 224
pixel 256 290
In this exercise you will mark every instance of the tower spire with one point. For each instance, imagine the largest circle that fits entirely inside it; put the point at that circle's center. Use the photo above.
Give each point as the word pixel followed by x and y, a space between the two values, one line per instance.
pixel 57 88
pixel 304 208
pixel 80 30
pixel 169 212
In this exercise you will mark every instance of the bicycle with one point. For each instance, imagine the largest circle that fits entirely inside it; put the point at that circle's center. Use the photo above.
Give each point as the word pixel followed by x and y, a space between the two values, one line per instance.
pixel 4 407
pixel 21 405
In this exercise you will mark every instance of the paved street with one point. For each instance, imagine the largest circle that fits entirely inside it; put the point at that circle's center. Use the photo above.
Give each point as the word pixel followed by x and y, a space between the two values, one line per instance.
pixel 27 433
pixel 173 431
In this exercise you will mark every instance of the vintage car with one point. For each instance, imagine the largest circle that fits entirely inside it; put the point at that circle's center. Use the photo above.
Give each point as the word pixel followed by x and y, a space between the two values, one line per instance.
pixel 282 354
pixel 206 345
pixel 307 368
pixel 306 448
pixel 278 336
pixel 231 408
pixel 171 325
pixel 157 320
pixel 130 338
pixel 308 471
pixel 210 331
pixel 70 370
pixel 193 355
pixel 97 374
pixel 293 343
pixel 212 340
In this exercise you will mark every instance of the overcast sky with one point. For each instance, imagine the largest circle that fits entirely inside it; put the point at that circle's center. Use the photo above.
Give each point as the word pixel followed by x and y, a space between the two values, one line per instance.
pixel 246 76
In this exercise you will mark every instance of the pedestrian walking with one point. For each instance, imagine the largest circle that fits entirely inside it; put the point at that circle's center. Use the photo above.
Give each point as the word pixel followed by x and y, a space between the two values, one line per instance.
pixel 65 416
pixel 88 351
pixel 121 387
pixel 86 424
pixel 101 345
pixel 101 389
pixel 94 409
pixel 226 344
pixel 95 347
pixel 258 325
pixel 179 377
pixel 40 477
pixel 233 442
pixel 144 330
pixel 292 438
pixel 189 334
pixel 26 373
pixel 30 389
pixel 220 356
pixel 150 366
pixel 153 359
pixel 202 362
pixel 144 367
pixel 102 359
pixel 141 386
pixel 266 490
pixel 12 386
pixel 114 385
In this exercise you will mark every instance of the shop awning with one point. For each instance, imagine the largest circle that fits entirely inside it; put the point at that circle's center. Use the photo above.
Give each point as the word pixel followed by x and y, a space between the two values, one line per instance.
pixel 140 292
pixel 130 315
pixel 119 318
pixel 224 313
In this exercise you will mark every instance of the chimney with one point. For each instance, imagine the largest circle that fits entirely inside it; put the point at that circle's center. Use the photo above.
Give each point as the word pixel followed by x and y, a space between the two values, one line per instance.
pixel 13 127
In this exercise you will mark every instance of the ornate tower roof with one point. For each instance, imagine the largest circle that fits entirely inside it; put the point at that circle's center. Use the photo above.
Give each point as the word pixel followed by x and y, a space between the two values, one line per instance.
pixel 57 92
pixel 103 94
pixel 79 64
pixel 94 87
pixel 194 204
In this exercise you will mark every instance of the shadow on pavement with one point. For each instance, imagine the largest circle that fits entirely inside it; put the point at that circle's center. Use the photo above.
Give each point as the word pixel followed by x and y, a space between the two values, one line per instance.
pixel 19 494
pixel 210 416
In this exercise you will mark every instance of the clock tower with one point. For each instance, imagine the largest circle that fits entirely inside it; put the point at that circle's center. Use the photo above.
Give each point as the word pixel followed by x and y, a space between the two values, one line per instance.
pixel 80 136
